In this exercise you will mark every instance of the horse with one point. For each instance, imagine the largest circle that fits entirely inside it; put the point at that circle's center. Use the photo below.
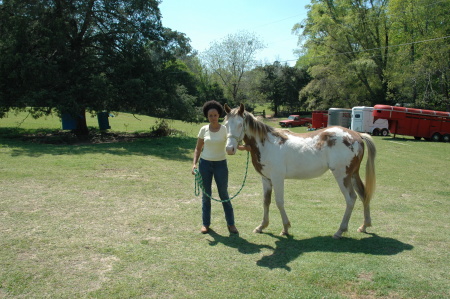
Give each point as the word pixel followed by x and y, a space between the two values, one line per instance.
pixel 281 154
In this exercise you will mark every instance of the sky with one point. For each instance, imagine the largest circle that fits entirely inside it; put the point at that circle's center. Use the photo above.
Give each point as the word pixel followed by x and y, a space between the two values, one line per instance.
pixel 206 21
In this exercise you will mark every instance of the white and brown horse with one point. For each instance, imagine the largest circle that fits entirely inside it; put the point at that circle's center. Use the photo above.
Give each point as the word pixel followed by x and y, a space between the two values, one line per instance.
pixel 280 154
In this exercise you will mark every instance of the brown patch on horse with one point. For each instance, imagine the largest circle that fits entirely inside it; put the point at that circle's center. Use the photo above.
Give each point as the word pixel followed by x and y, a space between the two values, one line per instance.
pixel 352 169
pixel 327 137
pixel 350 140
pixel 255 153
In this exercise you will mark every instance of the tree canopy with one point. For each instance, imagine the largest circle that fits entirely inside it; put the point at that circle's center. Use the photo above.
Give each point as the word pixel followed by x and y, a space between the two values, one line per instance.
pixel 376 51
pixel 281 85
pixel 230 59
pixel 93 55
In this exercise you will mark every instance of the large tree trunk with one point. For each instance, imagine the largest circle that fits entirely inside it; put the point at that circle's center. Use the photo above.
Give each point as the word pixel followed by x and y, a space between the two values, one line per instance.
pixel 81 130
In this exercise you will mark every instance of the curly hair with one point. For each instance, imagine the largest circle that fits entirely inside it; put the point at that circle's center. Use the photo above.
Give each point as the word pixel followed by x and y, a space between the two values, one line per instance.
pixel 212 105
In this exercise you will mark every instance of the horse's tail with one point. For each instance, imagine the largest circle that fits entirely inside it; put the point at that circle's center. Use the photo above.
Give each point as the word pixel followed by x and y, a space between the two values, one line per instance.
pixel 370 169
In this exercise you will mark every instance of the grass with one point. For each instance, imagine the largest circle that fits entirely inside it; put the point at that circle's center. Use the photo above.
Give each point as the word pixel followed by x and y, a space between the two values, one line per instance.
pixel 120 220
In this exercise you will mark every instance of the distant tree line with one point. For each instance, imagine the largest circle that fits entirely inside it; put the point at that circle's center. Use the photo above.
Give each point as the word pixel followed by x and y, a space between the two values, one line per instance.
pixel 86 56
pixel 376 52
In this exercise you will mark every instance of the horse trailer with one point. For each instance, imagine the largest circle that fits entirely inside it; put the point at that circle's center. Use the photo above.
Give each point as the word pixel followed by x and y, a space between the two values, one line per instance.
pixel 363 121
pixel 319 119
pixel 339 117
pixel 427 124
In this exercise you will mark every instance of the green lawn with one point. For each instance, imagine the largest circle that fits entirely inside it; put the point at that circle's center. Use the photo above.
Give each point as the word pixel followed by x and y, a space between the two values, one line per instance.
pixel 120 220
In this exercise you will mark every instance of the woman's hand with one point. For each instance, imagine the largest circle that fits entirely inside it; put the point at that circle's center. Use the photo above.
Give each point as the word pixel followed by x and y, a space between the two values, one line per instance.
pixel 194 168
pixel 245 147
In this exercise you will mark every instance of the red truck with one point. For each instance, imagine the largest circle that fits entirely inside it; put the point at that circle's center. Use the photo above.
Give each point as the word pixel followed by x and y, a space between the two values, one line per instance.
pixel 427 124
pixel 295 121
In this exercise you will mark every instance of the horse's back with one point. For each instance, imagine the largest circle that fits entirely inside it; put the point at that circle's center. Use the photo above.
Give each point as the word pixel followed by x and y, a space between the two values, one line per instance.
pixel 310 155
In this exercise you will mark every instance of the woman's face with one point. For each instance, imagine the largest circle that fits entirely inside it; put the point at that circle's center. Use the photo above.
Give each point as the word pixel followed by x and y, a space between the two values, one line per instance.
pixel 213 116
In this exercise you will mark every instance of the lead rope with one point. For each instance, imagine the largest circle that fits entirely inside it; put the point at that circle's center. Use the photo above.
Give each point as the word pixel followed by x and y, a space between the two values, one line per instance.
pixel 198 184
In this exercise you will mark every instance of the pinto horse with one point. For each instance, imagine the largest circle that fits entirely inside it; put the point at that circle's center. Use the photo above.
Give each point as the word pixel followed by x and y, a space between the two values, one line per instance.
pixel 281 154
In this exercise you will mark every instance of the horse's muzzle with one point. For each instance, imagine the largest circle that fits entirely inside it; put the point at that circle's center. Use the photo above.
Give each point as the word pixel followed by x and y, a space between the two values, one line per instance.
pixel 231 150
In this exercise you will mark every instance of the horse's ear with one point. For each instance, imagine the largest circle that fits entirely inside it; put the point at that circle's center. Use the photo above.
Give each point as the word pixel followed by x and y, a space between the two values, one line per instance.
pixel 227 108
pixel 241 109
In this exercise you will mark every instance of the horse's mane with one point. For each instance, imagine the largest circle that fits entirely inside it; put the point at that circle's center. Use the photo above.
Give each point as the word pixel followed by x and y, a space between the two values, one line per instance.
pixel 258 128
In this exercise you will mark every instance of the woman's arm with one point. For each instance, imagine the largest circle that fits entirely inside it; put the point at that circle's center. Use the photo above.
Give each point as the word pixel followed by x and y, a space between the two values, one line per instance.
pixel 245 147
pixel 197 152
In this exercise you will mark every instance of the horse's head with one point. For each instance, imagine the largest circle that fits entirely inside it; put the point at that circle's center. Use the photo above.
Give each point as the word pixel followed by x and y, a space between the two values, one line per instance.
pixel 234 121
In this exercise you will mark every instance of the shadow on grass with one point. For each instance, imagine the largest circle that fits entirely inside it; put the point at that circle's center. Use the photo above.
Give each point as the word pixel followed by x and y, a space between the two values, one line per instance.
pixel 171 148
pixel 235 241
pixel 288 249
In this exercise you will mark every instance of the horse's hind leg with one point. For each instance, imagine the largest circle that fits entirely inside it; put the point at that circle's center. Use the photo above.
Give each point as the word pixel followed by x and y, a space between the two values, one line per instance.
pixel 346 186
pixel 267 193
pixel 359 186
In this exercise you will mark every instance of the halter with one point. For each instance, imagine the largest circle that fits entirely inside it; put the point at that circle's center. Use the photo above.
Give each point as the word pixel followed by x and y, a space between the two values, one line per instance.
pixel 241 136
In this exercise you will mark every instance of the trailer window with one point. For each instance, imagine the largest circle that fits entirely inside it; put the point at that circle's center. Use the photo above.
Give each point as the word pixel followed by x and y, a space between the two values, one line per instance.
pixel 357 115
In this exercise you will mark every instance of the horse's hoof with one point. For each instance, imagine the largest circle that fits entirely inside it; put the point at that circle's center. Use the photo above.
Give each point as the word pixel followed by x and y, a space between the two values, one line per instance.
pixel 257 231
pixel 338 234
pixel 283 233
pixel 362 229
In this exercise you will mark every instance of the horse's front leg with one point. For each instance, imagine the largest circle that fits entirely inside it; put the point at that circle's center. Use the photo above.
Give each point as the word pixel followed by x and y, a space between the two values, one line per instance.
pixel 278 187
pixel 267 193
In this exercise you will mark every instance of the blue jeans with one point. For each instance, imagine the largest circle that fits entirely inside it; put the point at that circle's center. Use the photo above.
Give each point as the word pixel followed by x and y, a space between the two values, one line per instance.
pixel 218 170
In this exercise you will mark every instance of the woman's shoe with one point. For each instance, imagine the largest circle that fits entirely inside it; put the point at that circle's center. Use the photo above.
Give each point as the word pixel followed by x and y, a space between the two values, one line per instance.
pixel 232 229
pixel 204 229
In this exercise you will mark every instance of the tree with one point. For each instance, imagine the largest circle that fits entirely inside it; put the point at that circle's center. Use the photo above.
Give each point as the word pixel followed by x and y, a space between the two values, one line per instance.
pixel 421 64
pixel 347 40
pixel 207 89
pixel 376 51
pixel 231 58
pixel 250 93
pixel 281 85
pixel 94 55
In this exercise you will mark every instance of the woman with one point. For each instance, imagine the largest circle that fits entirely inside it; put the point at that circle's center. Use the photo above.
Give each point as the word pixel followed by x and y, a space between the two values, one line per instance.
pixel 210 149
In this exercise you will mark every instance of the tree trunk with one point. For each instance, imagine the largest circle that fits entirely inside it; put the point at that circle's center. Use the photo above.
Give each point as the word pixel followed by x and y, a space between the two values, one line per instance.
pixel 275 110
pixel 81 130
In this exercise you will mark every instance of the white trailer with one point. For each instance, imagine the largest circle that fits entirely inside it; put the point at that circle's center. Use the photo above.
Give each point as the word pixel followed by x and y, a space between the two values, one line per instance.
pixel 362 121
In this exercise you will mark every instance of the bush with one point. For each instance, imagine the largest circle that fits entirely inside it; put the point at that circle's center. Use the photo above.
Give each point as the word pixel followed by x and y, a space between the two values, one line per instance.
pixel 160 129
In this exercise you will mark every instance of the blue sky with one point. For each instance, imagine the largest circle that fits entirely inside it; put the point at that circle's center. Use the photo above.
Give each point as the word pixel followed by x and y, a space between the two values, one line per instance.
pixel 205 21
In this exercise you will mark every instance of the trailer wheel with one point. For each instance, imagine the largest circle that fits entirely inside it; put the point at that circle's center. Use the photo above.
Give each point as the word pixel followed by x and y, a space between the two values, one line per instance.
pixel 376 132
pixel 384 132
pixel 446 138
pixel 436 137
